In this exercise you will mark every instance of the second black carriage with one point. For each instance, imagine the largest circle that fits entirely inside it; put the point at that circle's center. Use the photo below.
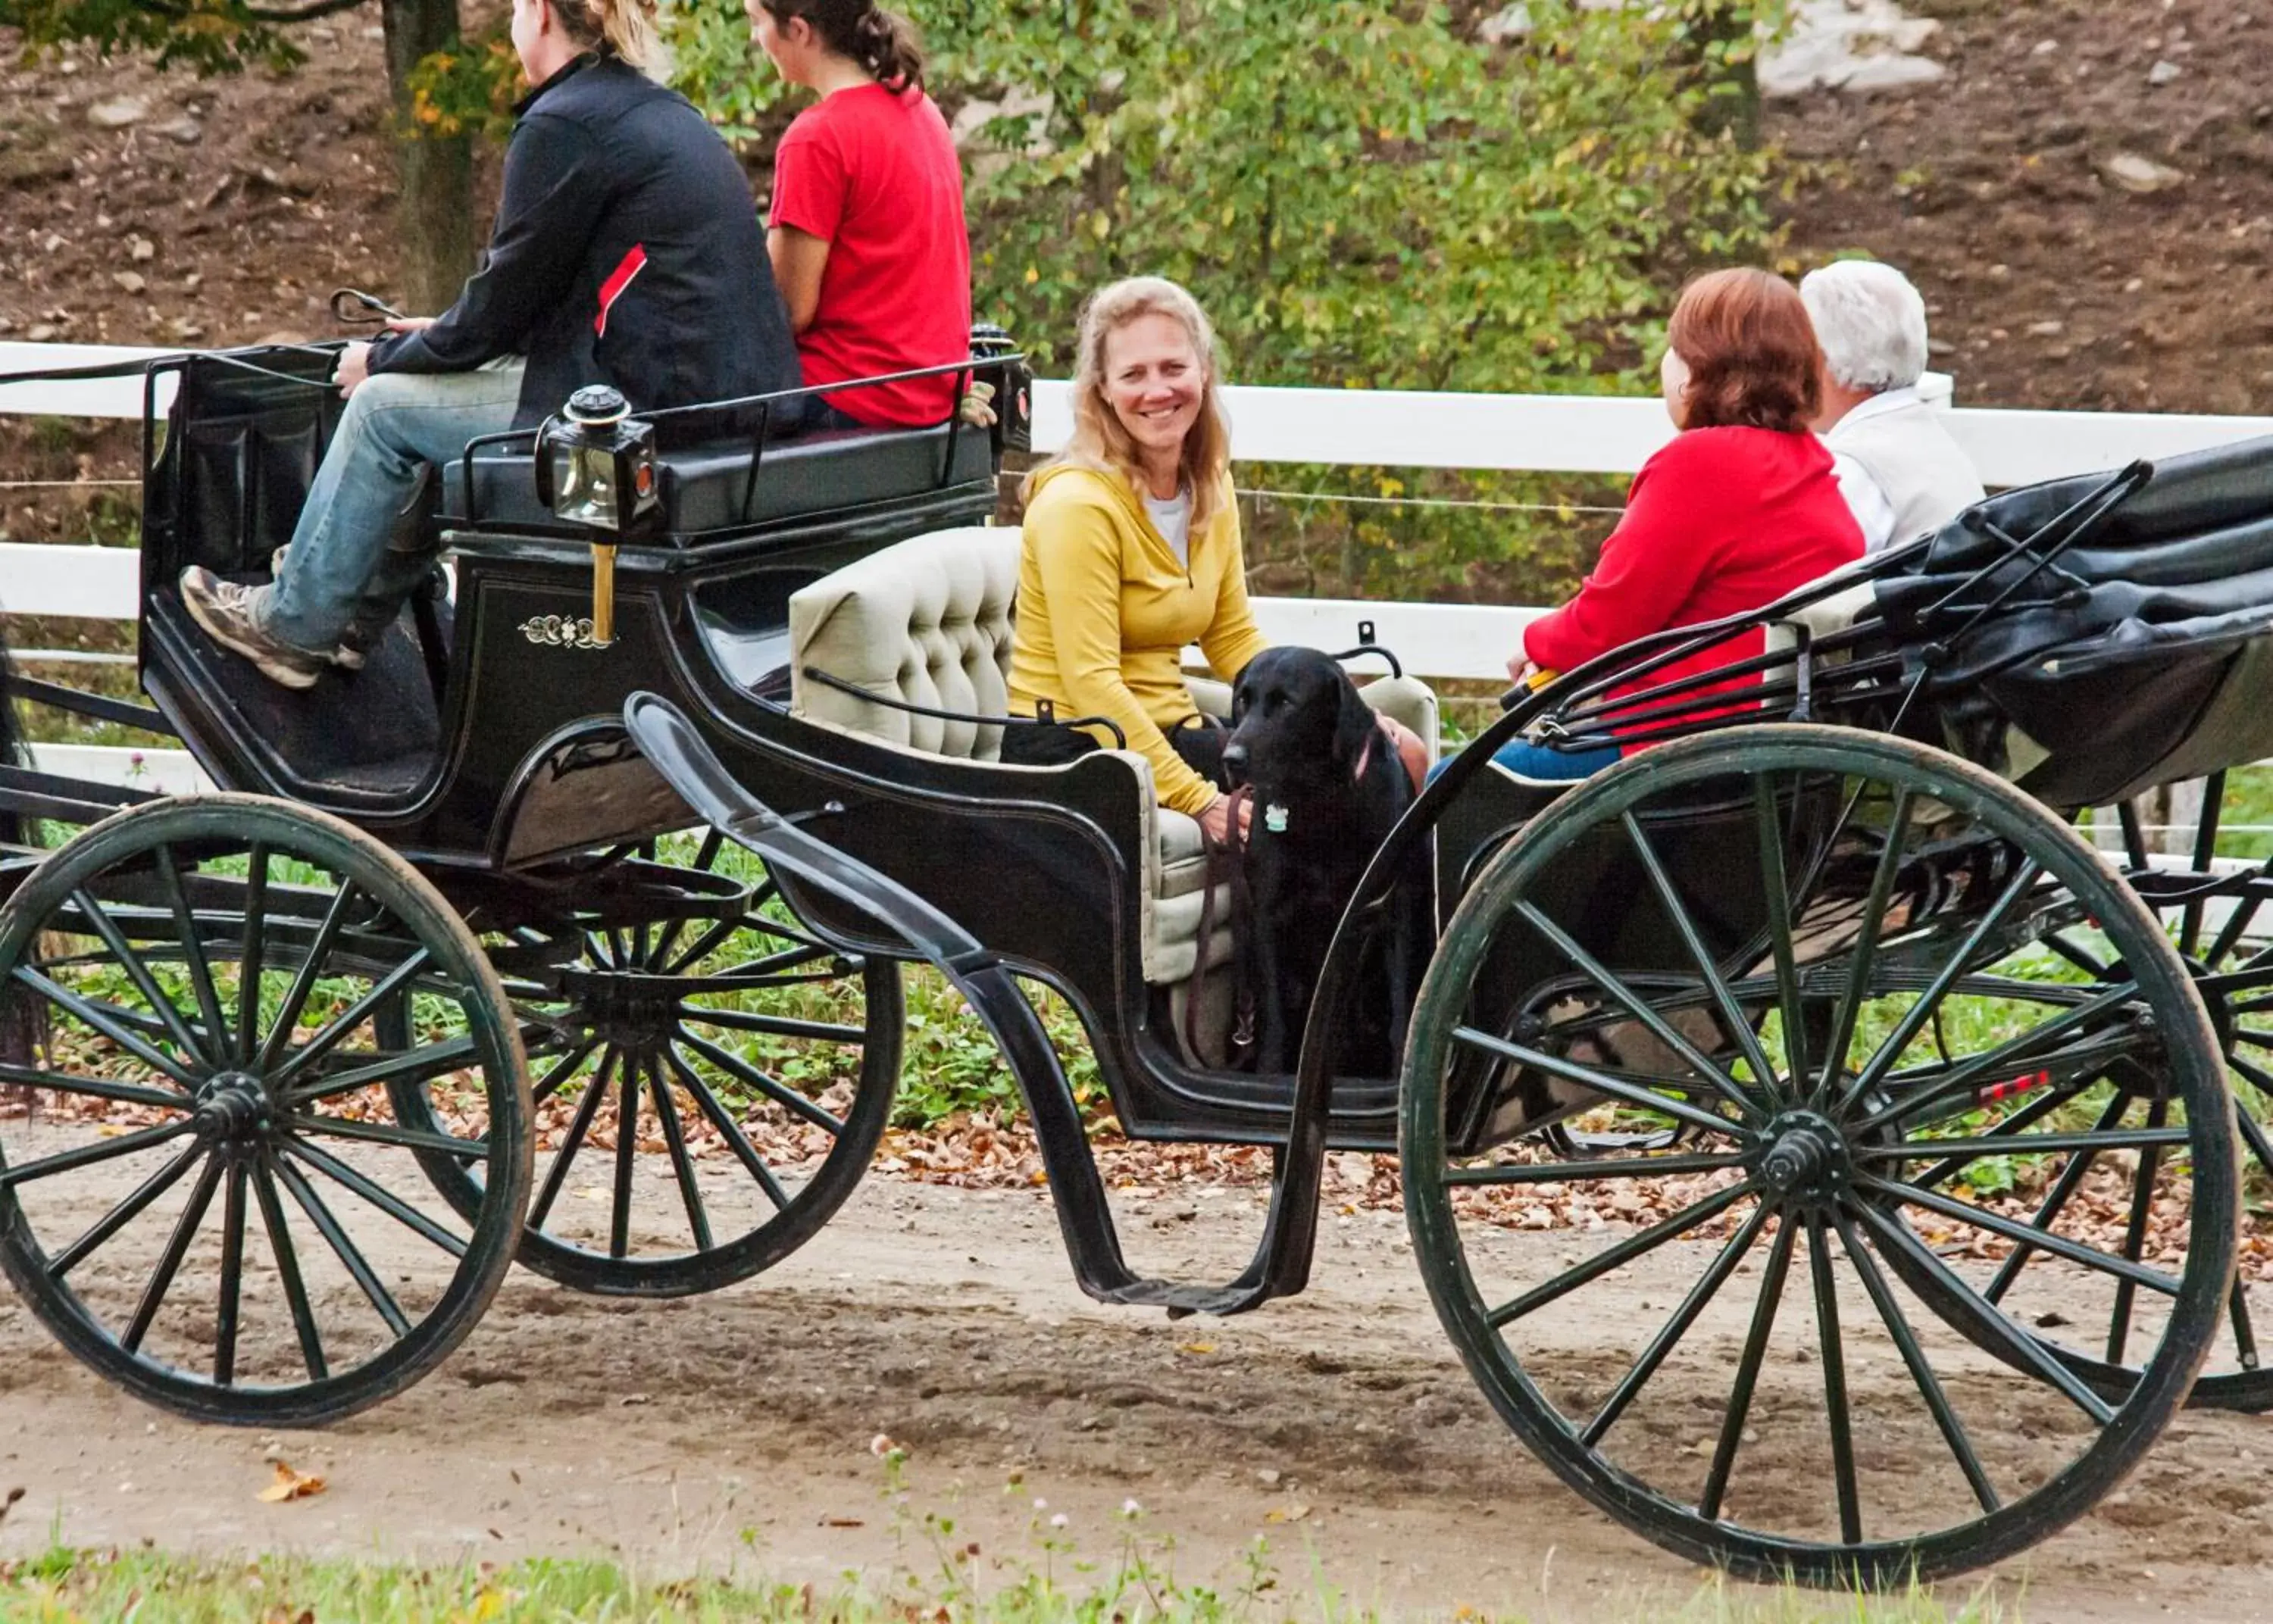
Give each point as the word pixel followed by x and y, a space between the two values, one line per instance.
pixel 490 959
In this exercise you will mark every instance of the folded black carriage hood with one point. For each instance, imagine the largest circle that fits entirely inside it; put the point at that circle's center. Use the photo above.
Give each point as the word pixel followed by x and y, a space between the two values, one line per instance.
pixel 2130 645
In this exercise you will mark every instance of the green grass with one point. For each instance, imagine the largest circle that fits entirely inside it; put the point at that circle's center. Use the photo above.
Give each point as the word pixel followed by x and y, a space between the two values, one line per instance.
pixel 152 1588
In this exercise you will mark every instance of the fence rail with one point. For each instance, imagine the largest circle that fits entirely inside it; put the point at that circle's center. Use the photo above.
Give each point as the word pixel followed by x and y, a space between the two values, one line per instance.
pixel 1565 434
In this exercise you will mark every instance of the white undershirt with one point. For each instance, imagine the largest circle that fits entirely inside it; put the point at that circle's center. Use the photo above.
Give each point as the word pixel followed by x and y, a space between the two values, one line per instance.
pixel 1874 512
pixel 1173 519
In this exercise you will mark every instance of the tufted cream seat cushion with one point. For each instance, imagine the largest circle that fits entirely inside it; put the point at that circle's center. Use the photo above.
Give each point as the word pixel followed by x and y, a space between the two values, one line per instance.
pixel 928 622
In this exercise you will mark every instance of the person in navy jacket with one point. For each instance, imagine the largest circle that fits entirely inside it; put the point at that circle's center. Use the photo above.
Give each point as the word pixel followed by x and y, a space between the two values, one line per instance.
pixel 627 251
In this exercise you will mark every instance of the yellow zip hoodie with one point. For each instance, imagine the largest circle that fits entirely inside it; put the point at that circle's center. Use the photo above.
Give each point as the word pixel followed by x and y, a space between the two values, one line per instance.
pixel 1105 611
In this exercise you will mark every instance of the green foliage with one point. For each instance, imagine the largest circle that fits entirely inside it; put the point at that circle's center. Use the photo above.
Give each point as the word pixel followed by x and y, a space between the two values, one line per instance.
pixel 1361 192
pixel 209 36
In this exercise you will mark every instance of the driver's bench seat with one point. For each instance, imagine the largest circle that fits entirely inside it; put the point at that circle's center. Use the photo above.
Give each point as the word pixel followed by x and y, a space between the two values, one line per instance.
pixel 929 622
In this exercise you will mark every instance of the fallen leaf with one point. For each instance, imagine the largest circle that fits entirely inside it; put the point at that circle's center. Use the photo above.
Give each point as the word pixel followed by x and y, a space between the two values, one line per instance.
pixel 1196 1347
pixel 842 1523
pixel 1289 1514
pixel 290 1484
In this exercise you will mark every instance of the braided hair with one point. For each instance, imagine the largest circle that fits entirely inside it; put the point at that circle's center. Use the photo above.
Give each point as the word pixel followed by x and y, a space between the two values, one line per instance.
pixel 883 42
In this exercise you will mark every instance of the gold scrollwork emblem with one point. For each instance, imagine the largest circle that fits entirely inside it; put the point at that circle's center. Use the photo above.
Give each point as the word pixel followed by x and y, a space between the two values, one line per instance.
pixel 558 631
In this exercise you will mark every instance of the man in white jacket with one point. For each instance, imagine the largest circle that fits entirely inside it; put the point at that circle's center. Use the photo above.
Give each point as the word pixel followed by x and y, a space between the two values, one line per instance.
pixel 1898 467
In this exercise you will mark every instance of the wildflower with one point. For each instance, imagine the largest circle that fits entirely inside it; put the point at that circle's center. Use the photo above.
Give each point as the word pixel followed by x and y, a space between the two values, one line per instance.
pixel 1059 1521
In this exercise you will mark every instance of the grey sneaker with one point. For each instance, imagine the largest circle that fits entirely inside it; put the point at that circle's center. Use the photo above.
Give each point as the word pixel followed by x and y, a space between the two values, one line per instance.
pixel 347 656
pixel 225 611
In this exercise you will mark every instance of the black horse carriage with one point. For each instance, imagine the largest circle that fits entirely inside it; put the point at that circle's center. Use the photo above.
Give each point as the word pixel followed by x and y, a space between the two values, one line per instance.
pixel 579 937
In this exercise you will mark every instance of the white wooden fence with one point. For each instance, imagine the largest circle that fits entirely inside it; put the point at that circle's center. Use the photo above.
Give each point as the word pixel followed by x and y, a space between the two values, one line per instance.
pixel 1575 434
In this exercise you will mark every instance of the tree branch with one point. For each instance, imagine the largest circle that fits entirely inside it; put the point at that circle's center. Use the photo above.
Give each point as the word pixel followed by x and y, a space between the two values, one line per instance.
pixel 307 13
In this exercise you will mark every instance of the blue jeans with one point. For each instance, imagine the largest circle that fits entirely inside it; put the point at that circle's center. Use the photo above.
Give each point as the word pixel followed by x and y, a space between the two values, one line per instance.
pixel 1537 761
pixel 395 423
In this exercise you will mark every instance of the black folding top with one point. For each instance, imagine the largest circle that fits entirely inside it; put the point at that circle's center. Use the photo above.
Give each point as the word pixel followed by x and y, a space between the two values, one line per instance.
pixel 2131 645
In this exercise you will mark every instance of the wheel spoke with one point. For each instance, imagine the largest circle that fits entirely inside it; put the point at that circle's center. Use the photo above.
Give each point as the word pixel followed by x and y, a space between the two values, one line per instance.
pixel 788 1099
pixel 138 971
pixel 92 1088
pixel 232 1276
pixel 104 1018
pixel 303 980
pixel 1732 1016
pixel 1673 1330
pixel 297 1061
pixel 1618 1256
pixel 1778 898
pixel 579 1126
pixel 2022 1348
pixel 1643 1166
pixel 1965 1150
pixel 87 1156
pixel 390 1133
pixel 169 1261
pixel 773 1025
pixel 2008 1131
pixel 1865 954
pixel 627 1116
pixel 1999 1061
pixel 124 1214
pixel 729 1130
pixel 288 1271
pixel 562 1070
pixel 1642 1010
pixel 248 973
pixel 704 946
pixel 199 968
pixel 1928 1387
pixel 349 1254
pixel 1913 1018
pixel 392 1205
pixel 674 1139
pixel 2055 1202
pixel 1600 1082
pixel 419 1063
pixel 2013 1228
pixel 1831 1347
pixel 1748 1368
pixel 2134 1231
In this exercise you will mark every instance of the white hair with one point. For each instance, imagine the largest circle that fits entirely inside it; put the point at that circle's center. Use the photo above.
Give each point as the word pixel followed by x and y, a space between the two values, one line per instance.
pixel 1870 323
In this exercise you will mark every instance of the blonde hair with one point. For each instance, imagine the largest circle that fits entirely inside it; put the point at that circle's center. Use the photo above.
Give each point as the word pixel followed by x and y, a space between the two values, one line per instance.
pixel 1101 442
pixel 625 28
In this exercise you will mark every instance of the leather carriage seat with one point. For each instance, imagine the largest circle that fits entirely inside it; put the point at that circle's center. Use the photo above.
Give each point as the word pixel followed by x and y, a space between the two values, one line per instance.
pixel 704 486
pixel 928 622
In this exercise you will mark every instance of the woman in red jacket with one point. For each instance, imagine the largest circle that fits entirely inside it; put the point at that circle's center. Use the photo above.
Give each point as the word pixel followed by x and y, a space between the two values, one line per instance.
pixel 1739 509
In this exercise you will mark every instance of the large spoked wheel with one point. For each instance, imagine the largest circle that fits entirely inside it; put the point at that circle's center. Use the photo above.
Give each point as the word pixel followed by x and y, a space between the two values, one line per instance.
pixel 709 1089
pixel 1823 956
pixel 205 1190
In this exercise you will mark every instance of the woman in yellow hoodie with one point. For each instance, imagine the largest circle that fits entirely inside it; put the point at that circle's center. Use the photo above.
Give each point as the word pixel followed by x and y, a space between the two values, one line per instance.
pixel 1132 550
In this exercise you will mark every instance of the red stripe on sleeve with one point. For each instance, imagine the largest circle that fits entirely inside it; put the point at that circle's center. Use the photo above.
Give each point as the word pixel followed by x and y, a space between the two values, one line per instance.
pixel 620 278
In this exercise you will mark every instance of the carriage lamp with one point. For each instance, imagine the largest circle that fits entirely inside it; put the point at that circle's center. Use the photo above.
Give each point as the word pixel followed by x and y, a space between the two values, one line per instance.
pixel 596 470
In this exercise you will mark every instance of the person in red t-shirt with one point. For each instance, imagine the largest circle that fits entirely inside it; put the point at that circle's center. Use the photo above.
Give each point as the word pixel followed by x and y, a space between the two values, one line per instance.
pixel 867 241
pixel 1742 507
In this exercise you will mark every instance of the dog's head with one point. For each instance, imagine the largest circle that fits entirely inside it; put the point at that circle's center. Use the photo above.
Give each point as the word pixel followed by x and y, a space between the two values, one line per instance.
pixel 1296 718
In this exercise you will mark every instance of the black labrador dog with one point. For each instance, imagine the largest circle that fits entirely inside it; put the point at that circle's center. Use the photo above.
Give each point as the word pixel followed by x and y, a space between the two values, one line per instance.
pixel 1327 786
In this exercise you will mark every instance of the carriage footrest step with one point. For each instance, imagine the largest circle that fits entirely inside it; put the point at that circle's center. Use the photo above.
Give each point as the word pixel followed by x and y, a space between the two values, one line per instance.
pixel 1180 1300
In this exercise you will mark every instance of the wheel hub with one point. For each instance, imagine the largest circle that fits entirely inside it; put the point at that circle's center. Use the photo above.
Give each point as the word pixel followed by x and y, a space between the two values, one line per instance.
pixel 626 1007
pixel 1807 1157
pixel 234 1107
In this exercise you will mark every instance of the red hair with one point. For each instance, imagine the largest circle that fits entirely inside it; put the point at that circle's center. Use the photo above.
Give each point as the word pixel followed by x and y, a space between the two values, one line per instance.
pixel 1753 358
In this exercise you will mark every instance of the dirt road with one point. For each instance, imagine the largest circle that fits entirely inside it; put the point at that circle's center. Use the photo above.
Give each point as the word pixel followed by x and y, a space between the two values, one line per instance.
pixel 736 1430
